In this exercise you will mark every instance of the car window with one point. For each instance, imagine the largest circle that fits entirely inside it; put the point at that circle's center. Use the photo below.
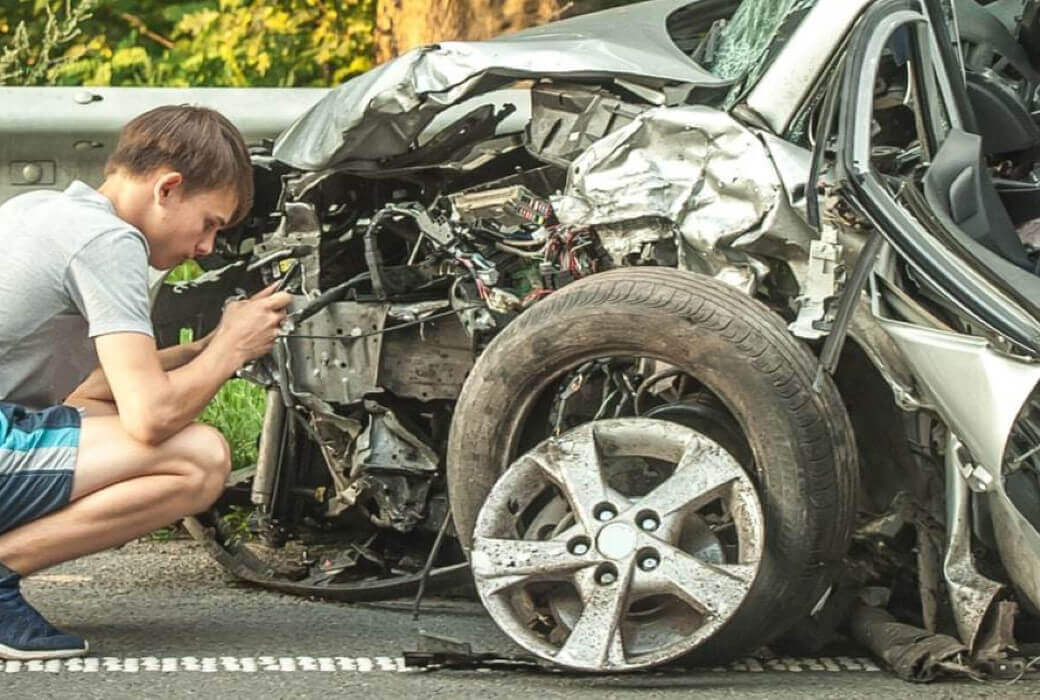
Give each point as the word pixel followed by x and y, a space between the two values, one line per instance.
pixel 909 114
pixel 752 34
pixel 935 204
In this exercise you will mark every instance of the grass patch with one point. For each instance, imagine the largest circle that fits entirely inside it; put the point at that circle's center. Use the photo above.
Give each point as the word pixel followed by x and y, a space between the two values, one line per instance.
pixel 237 411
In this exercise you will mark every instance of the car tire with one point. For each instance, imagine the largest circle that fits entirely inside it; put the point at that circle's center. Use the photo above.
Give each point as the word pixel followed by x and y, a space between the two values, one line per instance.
pixel 801 439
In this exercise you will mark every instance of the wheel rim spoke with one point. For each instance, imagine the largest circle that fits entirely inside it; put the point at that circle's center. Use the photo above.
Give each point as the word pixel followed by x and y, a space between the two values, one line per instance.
pixel 574 466
pixel 715 590
pixel 702 472
pixel 502 563
pixel 627 557
pixel 595 641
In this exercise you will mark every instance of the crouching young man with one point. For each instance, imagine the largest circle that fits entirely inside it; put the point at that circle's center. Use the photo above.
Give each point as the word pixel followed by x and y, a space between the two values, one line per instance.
pixel 97 440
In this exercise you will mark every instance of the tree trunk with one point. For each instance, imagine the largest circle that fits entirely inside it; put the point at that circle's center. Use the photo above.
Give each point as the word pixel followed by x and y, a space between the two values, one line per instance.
pixel 404 24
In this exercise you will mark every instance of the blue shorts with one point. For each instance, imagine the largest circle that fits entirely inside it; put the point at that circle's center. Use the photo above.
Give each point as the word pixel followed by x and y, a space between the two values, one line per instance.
pixel 37 460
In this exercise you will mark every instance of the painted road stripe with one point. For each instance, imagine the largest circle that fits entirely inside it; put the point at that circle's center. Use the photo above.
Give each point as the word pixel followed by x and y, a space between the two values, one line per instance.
pixel 364 664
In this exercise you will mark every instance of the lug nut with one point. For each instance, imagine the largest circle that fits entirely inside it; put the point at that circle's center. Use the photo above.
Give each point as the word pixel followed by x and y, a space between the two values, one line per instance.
pixel 605 512
pixel 649 563
pixel 606 578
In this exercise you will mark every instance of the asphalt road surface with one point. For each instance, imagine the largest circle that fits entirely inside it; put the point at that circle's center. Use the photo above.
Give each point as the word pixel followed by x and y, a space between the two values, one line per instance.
pixel 164 621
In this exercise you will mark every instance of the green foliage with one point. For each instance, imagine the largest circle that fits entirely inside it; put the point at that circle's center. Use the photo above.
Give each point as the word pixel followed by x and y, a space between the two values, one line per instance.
pixel 35 46
pixel 186 271
pixel 237 411
pixel 236 524
pixel 194 43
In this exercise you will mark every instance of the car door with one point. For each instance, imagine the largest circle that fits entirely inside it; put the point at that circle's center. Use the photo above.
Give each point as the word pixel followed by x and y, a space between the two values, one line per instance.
pixel 956 290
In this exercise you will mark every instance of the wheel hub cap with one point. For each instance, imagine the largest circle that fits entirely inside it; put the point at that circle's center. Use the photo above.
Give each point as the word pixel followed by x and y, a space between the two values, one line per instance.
pixel 616 540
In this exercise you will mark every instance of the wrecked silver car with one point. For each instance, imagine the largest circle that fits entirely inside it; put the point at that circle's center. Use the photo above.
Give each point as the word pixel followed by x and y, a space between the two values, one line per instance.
pixel 681 326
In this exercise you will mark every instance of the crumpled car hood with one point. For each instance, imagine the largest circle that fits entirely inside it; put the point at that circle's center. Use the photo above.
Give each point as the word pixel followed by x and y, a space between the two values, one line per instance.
pixel 378 114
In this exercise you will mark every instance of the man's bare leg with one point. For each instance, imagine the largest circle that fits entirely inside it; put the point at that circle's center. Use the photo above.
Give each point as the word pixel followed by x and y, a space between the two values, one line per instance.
pixel 122 489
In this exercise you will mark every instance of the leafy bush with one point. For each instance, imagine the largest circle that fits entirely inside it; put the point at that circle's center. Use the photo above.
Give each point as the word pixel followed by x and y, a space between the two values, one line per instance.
pixel 33 51
pixel 195 43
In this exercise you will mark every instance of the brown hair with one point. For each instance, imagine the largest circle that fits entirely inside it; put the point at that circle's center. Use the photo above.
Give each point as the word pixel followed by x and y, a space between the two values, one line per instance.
pixel 198 142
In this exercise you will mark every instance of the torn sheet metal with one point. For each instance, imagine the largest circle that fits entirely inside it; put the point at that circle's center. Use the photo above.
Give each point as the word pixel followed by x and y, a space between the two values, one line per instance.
pixel 379 114
pixel 912 653
pixel 998 637
pixel 386 445
pixel 650 241
pixel 1017 539
pixel 971 593
pixel 337 434
pixel 567 119
pixel 694 166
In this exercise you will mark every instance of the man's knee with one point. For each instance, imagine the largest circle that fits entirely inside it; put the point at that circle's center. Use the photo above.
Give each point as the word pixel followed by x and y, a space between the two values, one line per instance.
pixel 211 455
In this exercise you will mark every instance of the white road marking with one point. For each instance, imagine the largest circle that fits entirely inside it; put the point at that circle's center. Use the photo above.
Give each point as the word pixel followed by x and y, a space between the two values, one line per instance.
pixel 365 664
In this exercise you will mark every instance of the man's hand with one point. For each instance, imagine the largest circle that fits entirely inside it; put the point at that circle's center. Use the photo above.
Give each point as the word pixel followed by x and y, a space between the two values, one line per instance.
pixel 248 328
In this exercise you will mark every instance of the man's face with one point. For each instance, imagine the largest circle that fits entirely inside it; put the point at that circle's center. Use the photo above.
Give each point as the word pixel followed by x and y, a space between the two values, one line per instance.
pixel 185 226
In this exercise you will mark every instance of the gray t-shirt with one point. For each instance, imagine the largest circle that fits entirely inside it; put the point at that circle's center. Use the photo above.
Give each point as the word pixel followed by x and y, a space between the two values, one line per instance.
pixel 71 270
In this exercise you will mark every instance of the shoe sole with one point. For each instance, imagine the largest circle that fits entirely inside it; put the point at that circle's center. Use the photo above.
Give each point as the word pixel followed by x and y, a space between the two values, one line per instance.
pixel 9 654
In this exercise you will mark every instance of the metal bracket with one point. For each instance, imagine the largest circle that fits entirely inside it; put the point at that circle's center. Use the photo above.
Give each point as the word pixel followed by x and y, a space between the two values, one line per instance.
pixel 825 265
pixel 978 478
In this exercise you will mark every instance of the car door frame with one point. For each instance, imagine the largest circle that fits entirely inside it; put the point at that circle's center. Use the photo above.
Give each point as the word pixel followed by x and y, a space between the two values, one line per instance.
pixel 963 280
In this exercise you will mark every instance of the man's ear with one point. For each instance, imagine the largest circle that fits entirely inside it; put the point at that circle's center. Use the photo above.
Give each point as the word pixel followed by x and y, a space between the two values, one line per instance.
pixel 166 185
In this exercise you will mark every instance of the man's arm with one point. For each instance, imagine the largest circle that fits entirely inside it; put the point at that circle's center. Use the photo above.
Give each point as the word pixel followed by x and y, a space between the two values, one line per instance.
pixel 154 404
pixel 95 387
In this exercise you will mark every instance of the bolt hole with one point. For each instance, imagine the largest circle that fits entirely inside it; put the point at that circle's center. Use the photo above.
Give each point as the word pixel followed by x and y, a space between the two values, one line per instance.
pixel 604 512
pixel 579 545
pixel 606 574
pixel 648 521
pixel 648 559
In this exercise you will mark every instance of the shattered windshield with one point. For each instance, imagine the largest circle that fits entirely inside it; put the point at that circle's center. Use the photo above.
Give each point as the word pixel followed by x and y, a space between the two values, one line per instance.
pixel 745 42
